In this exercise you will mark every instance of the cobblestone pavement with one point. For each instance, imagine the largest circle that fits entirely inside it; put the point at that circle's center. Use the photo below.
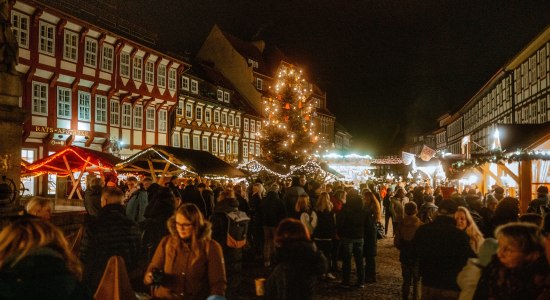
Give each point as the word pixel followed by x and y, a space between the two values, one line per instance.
pixel 388 283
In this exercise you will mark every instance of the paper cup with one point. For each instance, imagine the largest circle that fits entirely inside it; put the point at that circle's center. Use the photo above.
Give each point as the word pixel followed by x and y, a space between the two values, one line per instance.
pixel 260 282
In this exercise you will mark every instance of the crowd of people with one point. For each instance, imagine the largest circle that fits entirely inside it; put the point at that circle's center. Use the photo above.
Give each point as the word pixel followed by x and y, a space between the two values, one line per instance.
pixel 180 240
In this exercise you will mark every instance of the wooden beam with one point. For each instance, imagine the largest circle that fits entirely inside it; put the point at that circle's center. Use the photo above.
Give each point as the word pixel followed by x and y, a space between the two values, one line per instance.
pixel 525 173
pixel 75 187
pixel 152 170
pixel 508 172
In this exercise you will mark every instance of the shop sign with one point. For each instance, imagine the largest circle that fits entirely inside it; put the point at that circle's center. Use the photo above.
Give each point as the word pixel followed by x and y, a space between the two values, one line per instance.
pixel 47 129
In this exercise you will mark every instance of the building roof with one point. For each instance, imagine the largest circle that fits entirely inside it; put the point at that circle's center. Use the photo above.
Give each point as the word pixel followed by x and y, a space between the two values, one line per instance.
pixel 248 50
pixel 522 136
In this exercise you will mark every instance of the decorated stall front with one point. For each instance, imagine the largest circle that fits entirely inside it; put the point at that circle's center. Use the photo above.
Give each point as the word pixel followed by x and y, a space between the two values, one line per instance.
pixel 164 161
pixel 72 161
pixel 519 161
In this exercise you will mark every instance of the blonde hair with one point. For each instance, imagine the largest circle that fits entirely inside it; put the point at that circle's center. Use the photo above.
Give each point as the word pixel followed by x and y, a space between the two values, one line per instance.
pixel 302 205
pixel 476 237
pixel 26 234
pixel 368 195
pixel 323 203
pixel 36 204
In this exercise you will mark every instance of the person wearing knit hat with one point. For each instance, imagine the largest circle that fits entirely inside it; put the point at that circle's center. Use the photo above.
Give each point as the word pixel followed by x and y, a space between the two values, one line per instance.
pixel 539 205
pixel 468 278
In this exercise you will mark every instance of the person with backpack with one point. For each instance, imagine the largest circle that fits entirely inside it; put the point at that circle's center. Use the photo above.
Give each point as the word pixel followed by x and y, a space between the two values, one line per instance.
pixel 229 229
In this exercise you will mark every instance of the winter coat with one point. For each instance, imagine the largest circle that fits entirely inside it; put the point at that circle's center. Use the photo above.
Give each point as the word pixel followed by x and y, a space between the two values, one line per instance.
pixel 427 212
pixel 350 221
pixel 112 233
pixel 468 278
pixel 300 263
pixel 135 208
pixel 537 205
pixel 41 274
pixel 370 237
pixel 523 282
pixel 397 208
pixel 154 227
pixel 442 251
pixel 92 200
pixel 326 226
pixel 291 197
pixel 273 210
pixel 403 239
pixel 219 229
pixel 182 278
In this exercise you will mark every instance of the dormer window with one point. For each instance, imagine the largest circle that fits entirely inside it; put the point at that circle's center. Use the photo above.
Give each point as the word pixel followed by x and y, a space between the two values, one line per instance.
pixel 220 95
pixel 252 63
pixel 226 97
pixel 194 87
pixel 185 83
pixel 259 84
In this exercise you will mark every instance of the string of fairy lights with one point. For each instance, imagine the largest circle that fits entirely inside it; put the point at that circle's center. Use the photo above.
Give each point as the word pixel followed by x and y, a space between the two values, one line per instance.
pixel 309 167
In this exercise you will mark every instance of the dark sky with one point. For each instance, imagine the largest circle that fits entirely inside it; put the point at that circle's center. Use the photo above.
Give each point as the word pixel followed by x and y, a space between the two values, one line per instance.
pixel 390 68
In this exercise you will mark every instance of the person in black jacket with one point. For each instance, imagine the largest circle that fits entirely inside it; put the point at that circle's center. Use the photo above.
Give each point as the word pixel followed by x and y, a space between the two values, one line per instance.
pixel 92 197
pixel 300 263
pixel 232 256
pixel 273 212
pixel 325 231
pixel 112 233
pixel 154 227
pixel 442 251
pixel 350 224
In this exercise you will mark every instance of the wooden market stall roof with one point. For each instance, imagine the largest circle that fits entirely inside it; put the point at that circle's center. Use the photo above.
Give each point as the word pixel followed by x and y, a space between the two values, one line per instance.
pixel 166 161
pixel 70 160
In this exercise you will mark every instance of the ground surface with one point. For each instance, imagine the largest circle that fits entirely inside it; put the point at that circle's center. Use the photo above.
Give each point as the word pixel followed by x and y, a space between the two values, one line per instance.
pixel 388 283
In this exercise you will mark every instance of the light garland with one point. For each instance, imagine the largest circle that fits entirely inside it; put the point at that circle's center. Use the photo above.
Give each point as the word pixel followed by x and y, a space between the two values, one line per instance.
pixel 139 155
pixel 500 157
pixel 308 167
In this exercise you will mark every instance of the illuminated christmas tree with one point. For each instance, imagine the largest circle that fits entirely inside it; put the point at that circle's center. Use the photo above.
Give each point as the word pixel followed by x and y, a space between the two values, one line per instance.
pixel 288 136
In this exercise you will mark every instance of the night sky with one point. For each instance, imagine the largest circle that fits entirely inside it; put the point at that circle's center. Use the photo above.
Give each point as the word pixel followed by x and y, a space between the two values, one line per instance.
pixel 390 68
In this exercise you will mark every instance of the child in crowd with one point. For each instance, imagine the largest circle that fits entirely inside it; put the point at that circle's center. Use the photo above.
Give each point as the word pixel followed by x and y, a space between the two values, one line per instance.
pixel 519 268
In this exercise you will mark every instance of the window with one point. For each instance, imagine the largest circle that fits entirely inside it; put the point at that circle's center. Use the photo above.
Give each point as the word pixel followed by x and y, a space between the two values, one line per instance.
pixel 259 84
pixel 172 79
pixel 47 35
pixel 126 115
pixel 185 83
pixel 189 111
pixel 107 58
pixel 228 147
pixel 236 147
pixel 149 72
pixel 84 106
pixel 124 64
pixel 214 145
pixel 194 86
pixel 216 117
pixel 252 126
pixel 163 119
pixel 70 49
pixel 90 53
pixel 205 143
pixel 138 68
pixel 20 27
pixel 179 108
pixel 245 150
pixel 176 139
pixel 238 121
pixel 138 117
pixel 186 141
pixel 101 109
pixel 259 126
pixel 221 148
pixel 226 97
pixel 252 63
pixel 220 95
pixel 257 149
pixel 251 151
pixel 245 124
pixel 224 118
pixel 63 102
pixel 196 142
pixel 208 115
pixel 115 113
pixel 161 76
pixel 150 119
pixel 231 120
pixel 198 113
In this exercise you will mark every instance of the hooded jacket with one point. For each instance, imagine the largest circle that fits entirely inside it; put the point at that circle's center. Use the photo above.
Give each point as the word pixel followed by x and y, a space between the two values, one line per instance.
pixel 184 279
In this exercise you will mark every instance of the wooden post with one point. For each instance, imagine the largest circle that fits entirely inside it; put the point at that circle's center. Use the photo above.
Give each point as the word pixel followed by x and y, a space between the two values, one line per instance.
pixel 525 178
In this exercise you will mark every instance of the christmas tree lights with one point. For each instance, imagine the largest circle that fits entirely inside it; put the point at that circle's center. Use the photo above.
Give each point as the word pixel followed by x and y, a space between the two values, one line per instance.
pixel 288 135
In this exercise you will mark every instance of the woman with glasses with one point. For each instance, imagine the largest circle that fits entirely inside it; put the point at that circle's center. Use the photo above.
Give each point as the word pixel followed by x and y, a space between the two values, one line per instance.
pixel 187 264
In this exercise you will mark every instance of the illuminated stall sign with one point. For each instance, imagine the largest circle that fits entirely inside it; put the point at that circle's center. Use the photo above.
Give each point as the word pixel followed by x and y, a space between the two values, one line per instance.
pixel 61 130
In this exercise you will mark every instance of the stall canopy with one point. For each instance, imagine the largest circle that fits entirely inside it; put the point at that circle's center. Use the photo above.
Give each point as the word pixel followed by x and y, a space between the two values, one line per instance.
pixel 70 160
pixel 166 161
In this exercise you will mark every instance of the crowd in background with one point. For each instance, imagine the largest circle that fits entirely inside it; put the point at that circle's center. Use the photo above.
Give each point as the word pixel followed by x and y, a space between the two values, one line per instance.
pixel 171 240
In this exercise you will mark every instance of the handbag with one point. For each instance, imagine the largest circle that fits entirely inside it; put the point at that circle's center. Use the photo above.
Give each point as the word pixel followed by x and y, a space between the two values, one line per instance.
pixel 380 232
